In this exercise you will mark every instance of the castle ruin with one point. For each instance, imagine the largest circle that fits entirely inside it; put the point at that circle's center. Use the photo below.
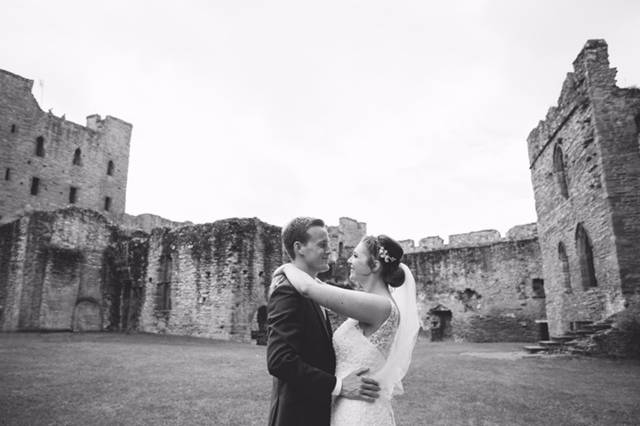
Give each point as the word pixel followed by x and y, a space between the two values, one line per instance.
pixel 81 266
pixel 585 169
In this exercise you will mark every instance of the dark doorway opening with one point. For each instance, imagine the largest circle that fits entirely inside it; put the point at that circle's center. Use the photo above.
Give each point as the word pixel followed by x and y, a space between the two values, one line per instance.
pixel 440 318
pixel 260 335
pixel 543 329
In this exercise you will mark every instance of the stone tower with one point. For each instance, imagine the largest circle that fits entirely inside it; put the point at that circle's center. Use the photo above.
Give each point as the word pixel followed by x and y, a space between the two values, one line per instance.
pixel 585 169
pixel 47 162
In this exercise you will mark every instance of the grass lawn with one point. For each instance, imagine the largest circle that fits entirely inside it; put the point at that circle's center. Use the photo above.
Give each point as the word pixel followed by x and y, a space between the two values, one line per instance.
pixel 101 378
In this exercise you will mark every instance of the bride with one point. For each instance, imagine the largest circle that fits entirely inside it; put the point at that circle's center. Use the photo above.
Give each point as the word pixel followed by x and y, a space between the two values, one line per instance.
pixel 381 330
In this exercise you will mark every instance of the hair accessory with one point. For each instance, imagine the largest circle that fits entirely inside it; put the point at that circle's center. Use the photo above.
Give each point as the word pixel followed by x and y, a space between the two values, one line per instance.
pixel 384 254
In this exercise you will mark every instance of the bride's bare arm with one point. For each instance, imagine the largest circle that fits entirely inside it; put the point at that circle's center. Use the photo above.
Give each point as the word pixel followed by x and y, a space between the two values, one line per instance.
pixel 365 307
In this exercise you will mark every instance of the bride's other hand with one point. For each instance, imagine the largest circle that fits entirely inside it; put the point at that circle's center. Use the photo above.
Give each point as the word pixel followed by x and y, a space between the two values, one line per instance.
pixel 357 386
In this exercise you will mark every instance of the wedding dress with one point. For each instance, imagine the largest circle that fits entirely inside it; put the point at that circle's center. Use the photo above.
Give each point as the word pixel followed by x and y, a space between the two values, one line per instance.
pixel 354 350
pixel 387 353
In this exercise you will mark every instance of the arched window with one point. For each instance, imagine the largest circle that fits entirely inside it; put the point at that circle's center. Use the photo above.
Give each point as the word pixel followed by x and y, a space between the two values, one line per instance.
pixel 584 248
pixel 40 146
pixel 565 276
pixel 110 168
pixel 77 157
pixel 559 172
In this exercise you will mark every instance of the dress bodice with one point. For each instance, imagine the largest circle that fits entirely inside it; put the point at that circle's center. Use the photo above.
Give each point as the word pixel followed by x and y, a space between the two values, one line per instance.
pixel 355 350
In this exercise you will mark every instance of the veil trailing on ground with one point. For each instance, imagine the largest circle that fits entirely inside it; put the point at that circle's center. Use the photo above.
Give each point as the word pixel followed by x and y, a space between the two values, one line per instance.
pixel 397 364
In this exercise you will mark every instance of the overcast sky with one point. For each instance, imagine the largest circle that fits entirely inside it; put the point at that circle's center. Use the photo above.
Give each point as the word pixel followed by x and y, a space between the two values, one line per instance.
pixel 410 116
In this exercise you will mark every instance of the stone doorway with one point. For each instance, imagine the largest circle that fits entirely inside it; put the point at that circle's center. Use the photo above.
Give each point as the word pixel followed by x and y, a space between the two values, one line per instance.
pixel 60 289
pixel 87 315
pixel 440 326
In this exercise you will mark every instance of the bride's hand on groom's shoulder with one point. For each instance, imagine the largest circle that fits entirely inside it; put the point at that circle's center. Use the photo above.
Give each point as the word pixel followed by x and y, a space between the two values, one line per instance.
pixel 300 280
pixel 279 272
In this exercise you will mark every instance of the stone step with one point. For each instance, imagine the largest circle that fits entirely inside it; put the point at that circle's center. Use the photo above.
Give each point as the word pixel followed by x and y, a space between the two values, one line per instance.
pixel 580 333
pixel 577 325
pixel 550 343
pixel 564 338
pixel 595 327
pixel 534 349
pixel 578 351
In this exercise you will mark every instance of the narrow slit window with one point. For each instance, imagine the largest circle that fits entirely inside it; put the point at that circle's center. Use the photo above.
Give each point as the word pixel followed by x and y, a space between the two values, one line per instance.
pixel 40 146
pixel 110 168
pixel 73 195
pixel 7 174
pixel 13 128
pixel 107 203
pixel 35 185
pixel 565 275
pixel 77 157
pixel 559 171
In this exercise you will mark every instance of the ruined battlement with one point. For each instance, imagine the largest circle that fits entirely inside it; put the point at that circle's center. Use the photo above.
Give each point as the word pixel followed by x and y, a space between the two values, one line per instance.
pixel 16 82
pixel 471 239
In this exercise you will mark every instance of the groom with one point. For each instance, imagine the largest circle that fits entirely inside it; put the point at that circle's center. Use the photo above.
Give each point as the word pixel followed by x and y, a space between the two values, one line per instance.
pixel 300 353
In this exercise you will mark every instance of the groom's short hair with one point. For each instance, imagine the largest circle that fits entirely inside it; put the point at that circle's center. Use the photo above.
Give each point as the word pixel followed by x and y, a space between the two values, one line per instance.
pixel 296 230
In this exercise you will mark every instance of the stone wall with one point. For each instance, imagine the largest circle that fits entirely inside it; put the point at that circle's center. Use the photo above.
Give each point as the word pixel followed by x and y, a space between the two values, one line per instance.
pixel 585 170
pixel 23 126
pixel 342 240
pixel 53 277
pixel 210 280
pixel 147 222
pixel 474 238
pixel 483 293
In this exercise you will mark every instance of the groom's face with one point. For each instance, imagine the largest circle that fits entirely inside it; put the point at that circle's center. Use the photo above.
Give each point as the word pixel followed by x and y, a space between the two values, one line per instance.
pixel 316 251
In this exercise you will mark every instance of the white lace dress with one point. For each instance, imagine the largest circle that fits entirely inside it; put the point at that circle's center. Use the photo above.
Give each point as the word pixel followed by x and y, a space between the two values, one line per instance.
pixel 354 350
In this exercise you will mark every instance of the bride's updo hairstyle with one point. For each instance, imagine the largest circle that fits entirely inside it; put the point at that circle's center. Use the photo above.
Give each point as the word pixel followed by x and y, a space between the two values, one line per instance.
pixel 388 252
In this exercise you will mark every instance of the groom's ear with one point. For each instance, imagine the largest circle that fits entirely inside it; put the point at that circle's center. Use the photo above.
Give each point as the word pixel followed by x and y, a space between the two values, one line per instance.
pixel 297 247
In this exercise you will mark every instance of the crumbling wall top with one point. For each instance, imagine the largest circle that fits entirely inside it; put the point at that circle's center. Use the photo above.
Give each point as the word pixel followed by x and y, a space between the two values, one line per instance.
pixel 9 78
pixel 474 238
pixel 523 232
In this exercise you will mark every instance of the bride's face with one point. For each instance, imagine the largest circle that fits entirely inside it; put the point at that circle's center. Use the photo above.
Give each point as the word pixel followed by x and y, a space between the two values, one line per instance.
pixel 359 262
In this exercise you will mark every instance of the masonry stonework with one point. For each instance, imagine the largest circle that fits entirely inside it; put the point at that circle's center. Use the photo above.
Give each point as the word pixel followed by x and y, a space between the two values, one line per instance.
pixel 48 162
pixel 486 292
pixel 52 274
pixel 210 280
pixel 585 170
pixel 91 268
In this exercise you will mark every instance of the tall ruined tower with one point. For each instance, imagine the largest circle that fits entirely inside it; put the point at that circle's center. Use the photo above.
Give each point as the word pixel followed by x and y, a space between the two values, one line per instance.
pixel 585 169
pixel 47 162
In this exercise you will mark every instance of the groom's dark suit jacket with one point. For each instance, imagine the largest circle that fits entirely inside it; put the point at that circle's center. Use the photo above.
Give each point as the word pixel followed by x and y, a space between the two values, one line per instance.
pixel 300 356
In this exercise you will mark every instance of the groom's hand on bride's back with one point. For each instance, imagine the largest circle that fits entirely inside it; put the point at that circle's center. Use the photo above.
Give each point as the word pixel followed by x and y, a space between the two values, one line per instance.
pixel 356 386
